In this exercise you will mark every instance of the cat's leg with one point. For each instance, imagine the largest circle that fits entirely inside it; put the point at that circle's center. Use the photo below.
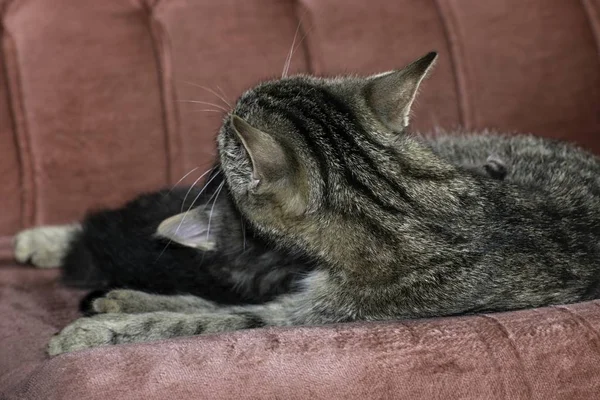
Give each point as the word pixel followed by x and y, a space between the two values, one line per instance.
pixel 126 301
pixel 134 302
pixel 316 304
pixel 119 328
pixel 45 246
pixel 107 329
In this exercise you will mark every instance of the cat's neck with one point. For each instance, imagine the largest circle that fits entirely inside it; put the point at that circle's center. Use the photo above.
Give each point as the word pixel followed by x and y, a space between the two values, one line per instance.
pixel 395 231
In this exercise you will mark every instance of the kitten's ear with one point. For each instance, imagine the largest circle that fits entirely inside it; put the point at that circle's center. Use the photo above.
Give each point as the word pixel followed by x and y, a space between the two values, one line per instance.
pixel 188 229
pixel 269 161
pixel 391 95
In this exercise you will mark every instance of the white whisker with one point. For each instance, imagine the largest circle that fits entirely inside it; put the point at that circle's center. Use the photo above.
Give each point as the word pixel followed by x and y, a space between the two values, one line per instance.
pixel 204 102
pixel 194 184
pixel 296 48
pixel 212 209
pixel 304 35
pixel 185 176
pixel 212 196
pixel 288 59
pixel 210 91
pixel 163 251
pixel 192 205
pixel 206 110
pixel 221 90
pixel 196 199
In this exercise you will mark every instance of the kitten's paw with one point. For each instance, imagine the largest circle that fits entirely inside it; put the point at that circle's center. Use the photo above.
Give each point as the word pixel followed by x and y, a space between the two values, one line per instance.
pixel 44 247
pixel 123 301
pixel 86 333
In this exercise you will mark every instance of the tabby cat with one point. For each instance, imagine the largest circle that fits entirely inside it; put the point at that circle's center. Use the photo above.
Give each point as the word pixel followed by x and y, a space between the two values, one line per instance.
pixel 398 225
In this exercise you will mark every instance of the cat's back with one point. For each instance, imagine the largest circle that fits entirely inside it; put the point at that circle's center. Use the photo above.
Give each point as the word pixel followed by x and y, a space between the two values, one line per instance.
pixel 533 162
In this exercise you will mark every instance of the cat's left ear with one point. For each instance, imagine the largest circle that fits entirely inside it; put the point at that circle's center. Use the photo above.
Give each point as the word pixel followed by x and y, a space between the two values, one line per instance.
pixel 273 169
pixel 188 229
pixel 392 94
pixel 269 161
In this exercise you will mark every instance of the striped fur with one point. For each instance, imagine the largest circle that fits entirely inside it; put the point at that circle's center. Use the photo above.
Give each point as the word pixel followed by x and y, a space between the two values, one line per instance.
pixel 400 226
pixel 400 230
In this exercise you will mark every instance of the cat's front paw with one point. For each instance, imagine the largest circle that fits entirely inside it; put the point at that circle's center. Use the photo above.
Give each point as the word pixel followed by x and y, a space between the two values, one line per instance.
pixel 136 302
pixel 124 301
pixel 45 246
pixel 85 333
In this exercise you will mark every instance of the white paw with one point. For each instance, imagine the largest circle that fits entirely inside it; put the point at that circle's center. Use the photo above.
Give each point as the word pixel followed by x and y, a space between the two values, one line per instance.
pixel 44 247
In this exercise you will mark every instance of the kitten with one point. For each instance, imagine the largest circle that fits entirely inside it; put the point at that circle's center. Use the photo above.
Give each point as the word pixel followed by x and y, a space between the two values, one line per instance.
pixel 142 246
pixel 399 228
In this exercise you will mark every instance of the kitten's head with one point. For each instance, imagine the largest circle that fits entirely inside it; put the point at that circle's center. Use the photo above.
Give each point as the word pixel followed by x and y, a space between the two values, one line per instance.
pixel 296 148
pixel 213 226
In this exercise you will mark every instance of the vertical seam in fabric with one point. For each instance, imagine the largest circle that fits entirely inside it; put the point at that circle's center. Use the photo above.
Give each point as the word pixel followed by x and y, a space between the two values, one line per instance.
pixel 593 23
pixel 502 329
pixel 301 11
pixel 28 180
pixel 459 69
pixel 162 54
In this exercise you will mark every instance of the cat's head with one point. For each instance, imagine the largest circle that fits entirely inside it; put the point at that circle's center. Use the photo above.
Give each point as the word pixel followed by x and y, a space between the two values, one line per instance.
pixel 296 148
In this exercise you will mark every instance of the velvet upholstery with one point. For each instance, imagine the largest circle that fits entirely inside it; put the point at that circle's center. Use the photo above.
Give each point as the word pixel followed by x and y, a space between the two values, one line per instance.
pixel 94 108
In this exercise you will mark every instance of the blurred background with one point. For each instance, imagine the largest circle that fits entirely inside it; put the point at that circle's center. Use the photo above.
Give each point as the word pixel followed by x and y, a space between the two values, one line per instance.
pixel 102 100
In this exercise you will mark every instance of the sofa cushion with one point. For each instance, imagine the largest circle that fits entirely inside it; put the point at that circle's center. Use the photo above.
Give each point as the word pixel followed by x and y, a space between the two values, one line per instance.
pixel 549 353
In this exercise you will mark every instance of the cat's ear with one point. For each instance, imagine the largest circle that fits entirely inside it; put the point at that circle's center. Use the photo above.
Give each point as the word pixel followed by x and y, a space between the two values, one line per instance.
pixel 272 169
pixel 267 155
pixel 392 94
pixel 187 229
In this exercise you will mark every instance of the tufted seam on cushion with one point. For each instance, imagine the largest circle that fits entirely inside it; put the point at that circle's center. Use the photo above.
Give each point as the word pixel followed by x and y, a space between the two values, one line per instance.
pixel 515 352
pixel 459 68
pixel 16 103
pixel 163 55
pixel 592 12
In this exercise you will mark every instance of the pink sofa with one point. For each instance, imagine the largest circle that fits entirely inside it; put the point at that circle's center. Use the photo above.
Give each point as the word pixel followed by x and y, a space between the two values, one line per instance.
pixel 93 111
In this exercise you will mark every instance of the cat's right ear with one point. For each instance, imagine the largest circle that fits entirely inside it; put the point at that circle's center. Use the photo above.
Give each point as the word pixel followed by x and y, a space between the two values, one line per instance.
pixel 188 229
pixel 392 94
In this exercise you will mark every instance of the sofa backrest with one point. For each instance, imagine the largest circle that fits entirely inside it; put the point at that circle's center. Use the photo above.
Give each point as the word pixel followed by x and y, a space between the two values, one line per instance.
pixel 94 95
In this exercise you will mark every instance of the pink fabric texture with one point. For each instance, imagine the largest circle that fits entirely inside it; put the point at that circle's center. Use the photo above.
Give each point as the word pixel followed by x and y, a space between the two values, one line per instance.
pixel 550 353
pixel 94 108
